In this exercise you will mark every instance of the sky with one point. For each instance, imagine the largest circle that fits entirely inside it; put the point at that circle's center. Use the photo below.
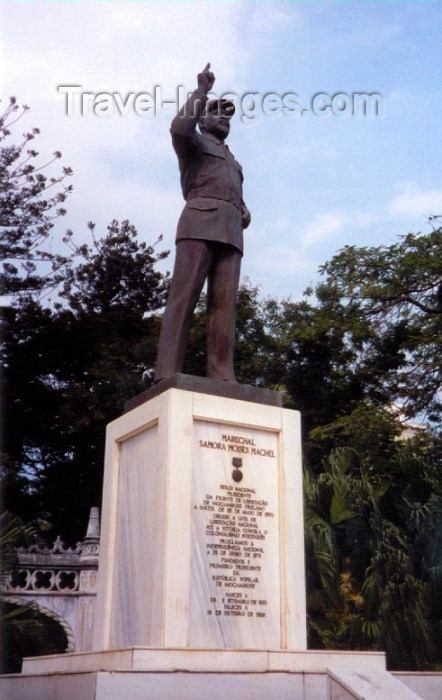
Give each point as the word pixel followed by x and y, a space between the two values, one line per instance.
pixel 314 183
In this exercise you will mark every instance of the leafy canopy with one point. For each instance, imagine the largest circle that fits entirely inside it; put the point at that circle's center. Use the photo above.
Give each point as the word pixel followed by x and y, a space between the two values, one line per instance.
pixel 30 203
pixel 390 298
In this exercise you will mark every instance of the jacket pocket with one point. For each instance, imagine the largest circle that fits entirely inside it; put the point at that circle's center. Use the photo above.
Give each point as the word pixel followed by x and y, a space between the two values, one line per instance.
pixel 201 205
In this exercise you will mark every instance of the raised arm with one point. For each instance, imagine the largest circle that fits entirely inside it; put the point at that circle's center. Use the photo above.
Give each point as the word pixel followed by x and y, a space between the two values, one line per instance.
pixel 186 120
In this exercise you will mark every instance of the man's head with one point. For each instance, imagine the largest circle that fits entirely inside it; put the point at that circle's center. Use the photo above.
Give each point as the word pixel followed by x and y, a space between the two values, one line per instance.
pixel 216 118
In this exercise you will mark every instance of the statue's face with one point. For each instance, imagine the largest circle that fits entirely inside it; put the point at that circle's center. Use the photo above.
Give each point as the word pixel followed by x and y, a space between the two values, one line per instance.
pixel 216 124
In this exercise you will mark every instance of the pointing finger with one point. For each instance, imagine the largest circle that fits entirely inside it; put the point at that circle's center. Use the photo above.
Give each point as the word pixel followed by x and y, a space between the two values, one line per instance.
pixel 206 68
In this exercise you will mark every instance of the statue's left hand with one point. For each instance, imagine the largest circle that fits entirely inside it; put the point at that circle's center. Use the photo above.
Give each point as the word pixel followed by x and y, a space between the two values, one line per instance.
pixel 245 216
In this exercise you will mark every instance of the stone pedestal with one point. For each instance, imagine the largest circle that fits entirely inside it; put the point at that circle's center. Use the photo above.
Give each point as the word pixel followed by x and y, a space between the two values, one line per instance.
pixel 201 575
pixel 139 673
pixel 202 541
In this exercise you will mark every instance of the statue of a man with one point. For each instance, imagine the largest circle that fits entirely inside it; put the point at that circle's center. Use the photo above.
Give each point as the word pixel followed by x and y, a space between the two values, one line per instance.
pixel 209 241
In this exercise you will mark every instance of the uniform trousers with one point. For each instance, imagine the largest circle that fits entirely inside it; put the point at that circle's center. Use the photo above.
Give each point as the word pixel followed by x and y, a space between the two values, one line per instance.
pixel 197 260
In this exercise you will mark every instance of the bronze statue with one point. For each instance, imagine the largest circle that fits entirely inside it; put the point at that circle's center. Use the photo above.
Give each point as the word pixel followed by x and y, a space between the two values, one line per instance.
pixel 209 241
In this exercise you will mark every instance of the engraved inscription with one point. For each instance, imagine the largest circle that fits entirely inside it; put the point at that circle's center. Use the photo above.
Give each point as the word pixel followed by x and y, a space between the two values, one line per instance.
pixel 235 594
pixel 238 444
pixel 236 532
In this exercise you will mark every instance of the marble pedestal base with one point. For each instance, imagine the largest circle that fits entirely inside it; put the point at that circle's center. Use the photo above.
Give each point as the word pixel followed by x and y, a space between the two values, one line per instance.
pixel 201 575
pixel 202 526
pixel 166 674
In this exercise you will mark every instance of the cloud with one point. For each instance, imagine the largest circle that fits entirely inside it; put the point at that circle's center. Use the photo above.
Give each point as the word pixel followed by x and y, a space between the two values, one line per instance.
pixel 130 45
pixel 124 167
pixel 412 200
pixel 278 263
pixel 322 226
pixel 270 19
pixel 312 185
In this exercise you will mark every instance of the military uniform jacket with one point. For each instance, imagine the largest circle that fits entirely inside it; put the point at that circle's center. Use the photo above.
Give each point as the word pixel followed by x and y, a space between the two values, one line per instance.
pixel 211 181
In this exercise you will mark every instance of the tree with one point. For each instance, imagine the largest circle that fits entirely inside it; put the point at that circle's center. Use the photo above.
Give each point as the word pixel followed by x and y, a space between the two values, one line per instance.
pixel 117 272
pixel 68 370
pixel 373 569
pixel 316 362
pixel 394 294
pixel 29 205
pixel 369 531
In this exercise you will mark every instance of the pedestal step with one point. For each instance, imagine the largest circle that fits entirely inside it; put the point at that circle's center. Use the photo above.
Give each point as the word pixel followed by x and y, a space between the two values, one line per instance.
pixel 209 661
pixel 367 684
pixel 139 685
pixel 200 674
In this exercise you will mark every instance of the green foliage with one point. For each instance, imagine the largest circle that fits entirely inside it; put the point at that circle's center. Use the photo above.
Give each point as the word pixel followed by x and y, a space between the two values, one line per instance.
pixel 395 294
pixel 26 632
pixel 13 533
pixel 117 272
pixel 29 205
pixel 23 631
pixel 370 430
pixel 367 555
pixel 69 369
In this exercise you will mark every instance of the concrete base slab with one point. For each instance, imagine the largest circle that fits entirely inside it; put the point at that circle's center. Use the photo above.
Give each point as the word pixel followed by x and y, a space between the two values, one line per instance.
pixel 162 674
pixel 139 673
pixel 139 685
pixel 166 686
